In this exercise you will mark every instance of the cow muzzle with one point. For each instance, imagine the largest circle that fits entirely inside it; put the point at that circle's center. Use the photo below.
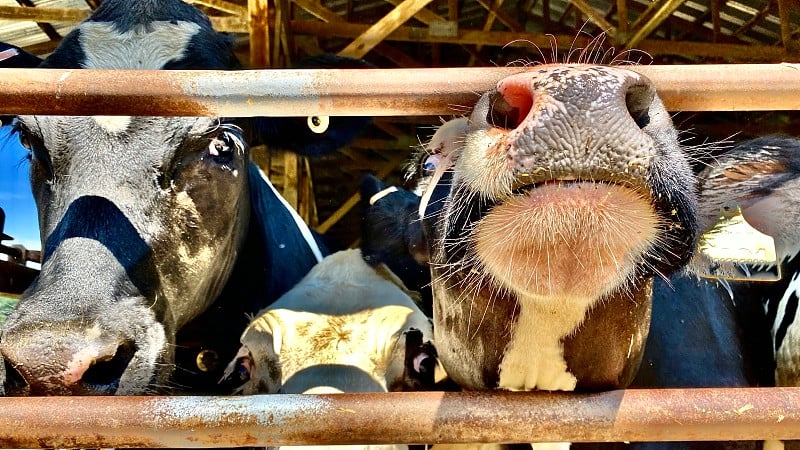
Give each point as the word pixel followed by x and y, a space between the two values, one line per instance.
pixel 65 361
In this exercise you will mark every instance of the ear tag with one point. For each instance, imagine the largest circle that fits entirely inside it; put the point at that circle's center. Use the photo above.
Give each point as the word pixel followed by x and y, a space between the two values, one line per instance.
pixel 734 250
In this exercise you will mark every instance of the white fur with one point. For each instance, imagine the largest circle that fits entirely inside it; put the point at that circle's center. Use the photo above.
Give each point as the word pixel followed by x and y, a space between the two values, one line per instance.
pixel 545 368
pixel 149 47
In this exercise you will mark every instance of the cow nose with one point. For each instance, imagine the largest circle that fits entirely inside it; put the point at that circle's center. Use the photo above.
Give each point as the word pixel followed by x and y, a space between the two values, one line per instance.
pixel 66 363
pixel 519 100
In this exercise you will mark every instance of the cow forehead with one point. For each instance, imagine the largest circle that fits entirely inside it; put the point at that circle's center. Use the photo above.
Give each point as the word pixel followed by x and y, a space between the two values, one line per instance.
pixel 134 135
pixel 149 46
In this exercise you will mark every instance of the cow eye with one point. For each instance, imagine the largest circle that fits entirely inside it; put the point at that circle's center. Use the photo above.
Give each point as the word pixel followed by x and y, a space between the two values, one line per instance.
pixel 430 164
pixel 223 147
pixel 244 366
pixel 318 124
pixel 37 154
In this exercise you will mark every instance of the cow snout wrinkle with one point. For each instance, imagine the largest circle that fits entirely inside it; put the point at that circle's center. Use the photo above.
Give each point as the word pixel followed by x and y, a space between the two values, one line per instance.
pixel 66 362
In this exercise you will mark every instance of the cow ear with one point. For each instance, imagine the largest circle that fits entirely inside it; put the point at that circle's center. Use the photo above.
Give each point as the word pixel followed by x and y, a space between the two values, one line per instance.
pixel 319 134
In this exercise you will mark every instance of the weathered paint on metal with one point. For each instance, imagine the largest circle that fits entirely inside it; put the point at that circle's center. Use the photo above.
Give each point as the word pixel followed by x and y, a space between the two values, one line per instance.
pixel 346 92
pixel 430 417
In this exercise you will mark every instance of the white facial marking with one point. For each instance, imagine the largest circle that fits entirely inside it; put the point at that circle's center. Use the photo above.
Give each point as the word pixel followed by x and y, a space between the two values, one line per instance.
pixel 541 328
pixel 149 47
pixel 113 124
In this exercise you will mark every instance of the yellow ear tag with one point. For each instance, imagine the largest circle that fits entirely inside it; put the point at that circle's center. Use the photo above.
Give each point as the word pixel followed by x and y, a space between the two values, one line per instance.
pixel 734 250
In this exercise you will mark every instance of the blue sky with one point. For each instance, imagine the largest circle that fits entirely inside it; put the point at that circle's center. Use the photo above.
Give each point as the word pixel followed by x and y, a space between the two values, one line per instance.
pixel 15 192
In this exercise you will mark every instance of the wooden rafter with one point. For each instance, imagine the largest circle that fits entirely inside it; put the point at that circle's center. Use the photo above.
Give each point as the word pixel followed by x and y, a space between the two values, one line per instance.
pixel 281 49
pixel 622 21
pixel 501 38
pixel 499 14
pixel 390 52
pixel 366 41
pixel 487 26
pixel 716 5
pixel 424 15
pixel 46 28
pixel 222 6
pixel 755 19
pixel 595 16
pixel 660 16
pixel 788 10
pixel 258 14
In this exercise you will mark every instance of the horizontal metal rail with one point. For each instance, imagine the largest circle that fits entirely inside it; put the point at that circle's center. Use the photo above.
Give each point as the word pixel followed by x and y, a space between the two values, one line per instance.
pixel 431 417
pixel 370 92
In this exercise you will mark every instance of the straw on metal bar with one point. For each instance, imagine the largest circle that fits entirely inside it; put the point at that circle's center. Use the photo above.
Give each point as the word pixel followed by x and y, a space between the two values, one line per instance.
pixel 348 92
pixel 431 417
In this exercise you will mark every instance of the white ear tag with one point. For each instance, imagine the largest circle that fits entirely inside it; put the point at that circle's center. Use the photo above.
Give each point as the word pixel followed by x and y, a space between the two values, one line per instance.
pixel 318 124
pixel 734 250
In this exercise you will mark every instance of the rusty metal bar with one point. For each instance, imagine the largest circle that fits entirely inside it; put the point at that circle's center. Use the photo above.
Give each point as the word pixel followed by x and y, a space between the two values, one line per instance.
pixel 374 92
pixel 431 417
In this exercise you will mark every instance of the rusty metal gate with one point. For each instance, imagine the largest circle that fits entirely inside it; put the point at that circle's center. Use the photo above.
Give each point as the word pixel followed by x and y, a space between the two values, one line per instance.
pixel 433 417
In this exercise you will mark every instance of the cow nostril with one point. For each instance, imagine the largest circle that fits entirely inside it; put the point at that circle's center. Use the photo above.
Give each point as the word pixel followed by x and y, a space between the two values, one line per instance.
pixel 14 381
pixel 638 99
pixel 108 371
pixel 510 105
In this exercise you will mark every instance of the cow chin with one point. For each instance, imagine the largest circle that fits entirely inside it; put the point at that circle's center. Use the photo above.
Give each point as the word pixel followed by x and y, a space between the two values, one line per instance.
pixel 567 240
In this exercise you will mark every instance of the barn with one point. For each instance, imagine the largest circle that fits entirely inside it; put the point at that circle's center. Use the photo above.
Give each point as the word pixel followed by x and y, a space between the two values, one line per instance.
pixel 435 35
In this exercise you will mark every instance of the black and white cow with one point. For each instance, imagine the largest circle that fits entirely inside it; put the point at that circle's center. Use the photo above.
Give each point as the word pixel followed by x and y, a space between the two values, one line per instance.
pixel 569 193
pixel 346 327
pixel 158 233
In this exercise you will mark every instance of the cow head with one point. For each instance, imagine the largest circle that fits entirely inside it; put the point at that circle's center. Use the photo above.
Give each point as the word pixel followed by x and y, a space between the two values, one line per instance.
pixel 551 209
pixel 346 327
pixel 142 218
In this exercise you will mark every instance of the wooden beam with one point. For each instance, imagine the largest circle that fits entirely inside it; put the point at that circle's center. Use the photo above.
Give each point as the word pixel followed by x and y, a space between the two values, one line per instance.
pixel 495 11
pixel 622 22
pixel 789 10
pixel 258 24
pixel 222 5
pixel 74 15
pixel 452 10
pixel 487 26
pixel 46 28
pixel 424 15
pixel 595 17
pixel 46 15
pixel 734 52
pixel 755 19
pixel 715 22
pixel 391 53
pixel 378 32
pixel 660 16
pixel 291 178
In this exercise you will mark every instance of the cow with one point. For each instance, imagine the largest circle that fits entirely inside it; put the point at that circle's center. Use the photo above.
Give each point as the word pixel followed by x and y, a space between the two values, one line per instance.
pixel 569 194
pixel 549 211
pixel 346 327
pixel 158 233
pixel 760 177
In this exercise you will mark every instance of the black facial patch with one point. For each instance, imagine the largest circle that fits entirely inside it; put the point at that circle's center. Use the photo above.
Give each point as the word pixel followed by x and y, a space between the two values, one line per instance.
pixel 97 218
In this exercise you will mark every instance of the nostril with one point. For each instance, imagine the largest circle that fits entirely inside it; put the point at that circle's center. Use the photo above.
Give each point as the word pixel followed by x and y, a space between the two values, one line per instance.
pixel 107 371
pixel 14 381
pixel 510 106
pixel 638 99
